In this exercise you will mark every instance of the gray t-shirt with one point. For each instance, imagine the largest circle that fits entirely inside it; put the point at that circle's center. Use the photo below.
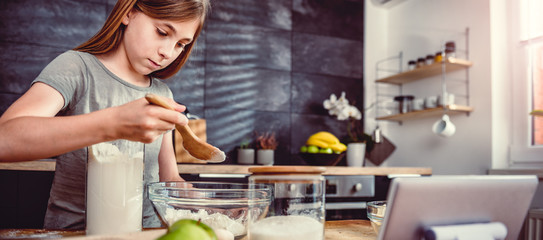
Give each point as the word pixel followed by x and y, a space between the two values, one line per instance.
pixel 87 86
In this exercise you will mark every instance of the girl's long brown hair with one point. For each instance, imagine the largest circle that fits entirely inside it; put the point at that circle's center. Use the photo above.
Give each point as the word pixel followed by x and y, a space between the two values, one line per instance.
pixel 109 37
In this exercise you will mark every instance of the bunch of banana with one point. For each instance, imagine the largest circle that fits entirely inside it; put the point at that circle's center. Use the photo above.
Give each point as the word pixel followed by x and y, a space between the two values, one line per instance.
pixel 325 143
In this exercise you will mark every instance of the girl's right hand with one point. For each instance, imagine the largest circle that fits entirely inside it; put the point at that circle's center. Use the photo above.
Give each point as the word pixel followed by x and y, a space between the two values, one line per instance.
pixel 140 121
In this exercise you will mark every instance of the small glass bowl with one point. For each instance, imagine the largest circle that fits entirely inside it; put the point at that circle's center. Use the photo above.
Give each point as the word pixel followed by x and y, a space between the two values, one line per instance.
pixel 229 206
pixel 376 214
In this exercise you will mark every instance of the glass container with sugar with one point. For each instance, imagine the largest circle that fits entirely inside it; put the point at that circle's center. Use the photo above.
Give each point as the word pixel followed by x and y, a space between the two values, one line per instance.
pixel 297 209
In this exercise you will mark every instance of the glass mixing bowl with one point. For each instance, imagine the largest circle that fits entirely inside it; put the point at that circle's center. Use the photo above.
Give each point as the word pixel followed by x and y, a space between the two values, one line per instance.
pixel 376 214
pixel 228 206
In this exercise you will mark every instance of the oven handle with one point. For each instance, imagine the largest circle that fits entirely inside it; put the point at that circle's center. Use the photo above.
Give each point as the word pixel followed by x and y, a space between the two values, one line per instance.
pixel 345 205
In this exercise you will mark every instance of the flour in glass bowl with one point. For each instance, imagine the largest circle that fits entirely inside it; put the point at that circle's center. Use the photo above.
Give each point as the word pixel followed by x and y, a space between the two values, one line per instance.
pixel 214 220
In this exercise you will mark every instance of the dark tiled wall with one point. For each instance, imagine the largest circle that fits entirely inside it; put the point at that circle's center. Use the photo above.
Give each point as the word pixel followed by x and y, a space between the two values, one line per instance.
pixel 263 65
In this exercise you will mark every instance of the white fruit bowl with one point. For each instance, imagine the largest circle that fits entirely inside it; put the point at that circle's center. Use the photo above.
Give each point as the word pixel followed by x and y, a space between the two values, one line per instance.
pixel 227 206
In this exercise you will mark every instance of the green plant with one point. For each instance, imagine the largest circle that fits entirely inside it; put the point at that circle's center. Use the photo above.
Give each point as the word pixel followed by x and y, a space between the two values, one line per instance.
pixel 245 144
pixel 266 141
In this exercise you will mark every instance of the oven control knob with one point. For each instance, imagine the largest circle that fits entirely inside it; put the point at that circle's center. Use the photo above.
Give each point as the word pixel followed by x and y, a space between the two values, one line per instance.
pixel 357 187
pixel 291 187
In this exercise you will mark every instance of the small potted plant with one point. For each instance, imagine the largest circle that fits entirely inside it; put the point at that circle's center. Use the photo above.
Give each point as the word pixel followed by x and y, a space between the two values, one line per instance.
pixel 266 145
pixel 246 154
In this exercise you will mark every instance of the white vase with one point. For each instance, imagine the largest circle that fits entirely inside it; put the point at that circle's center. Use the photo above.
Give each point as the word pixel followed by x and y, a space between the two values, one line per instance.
pixel 264 157
pixel 356 152
pixel 246 156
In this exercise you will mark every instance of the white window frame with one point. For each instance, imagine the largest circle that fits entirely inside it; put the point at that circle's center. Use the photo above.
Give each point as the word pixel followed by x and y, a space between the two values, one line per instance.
pixel 522 153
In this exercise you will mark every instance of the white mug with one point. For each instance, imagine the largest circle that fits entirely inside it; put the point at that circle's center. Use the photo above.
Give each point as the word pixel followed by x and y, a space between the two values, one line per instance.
pixel 445 101
pixel 444 127
pixel 418 104
pixel 430 102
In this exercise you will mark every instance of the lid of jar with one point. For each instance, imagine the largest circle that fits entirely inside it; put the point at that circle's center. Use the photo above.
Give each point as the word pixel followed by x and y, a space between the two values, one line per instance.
pixel 411 62
pixel 421 60
pixel 429 56
pixel 450 47
pixel 287 170
pixel 404 97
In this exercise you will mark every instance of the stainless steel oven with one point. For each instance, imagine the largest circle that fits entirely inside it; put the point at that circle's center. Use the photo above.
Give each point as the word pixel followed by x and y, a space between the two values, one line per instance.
pixel 346 195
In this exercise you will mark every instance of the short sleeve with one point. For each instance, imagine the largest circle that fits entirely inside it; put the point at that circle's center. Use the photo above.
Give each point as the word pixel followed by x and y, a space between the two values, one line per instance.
pixel 66 73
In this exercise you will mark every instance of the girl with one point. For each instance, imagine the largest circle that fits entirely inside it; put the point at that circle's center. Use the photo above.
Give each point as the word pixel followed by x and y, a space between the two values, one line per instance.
pixel 94 94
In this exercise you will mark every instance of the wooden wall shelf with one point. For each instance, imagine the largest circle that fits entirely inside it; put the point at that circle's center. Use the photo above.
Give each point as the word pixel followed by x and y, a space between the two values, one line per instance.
pixel 451 109
pixel 452 64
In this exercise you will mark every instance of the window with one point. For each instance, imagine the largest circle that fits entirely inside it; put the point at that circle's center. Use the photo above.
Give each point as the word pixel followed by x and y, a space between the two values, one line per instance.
pixel 527 61
pixel 537 94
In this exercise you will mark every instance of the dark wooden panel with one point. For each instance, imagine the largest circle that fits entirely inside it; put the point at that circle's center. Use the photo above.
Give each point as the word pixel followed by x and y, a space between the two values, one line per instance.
pixel 337 18
pixel 58 23
pixel 243 87
pixel 327 55
pixel 246 45
pixel 227 128
pixel 6 99
pixel 20 64
pixel 188 85
pixel 273 14
pixel 309 92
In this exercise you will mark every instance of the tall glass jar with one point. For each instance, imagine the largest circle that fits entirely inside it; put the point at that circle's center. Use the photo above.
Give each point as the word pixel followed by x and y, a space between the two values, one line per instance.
pixel 114 187
pixel 297 209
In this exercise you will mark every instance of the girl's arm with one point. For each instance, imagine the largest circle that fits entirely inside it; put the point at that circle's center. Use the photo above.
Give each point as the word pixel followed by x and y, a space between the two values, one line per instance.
pixel 167 163
pixel 29 129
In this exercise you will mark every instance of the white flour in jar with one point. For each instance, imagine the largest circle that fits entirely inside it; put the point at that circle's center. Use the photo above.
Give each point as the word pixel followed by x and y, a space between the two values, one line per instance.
pixel 292 227
pixel 214 220
pixel 114 190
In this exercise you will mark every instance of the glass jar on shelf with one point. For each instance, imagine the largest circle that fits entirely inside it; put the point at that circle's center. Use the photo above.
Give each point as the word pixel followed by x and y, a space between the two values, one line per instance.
pixel 429 59
pixel 412 64
pixel 421 62
pixel 450 49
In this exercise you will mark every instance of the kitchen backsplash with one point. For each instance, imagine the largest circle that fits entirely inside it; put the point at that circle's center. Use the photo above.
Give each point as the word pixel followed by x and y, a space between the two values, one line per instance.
pixel 263 66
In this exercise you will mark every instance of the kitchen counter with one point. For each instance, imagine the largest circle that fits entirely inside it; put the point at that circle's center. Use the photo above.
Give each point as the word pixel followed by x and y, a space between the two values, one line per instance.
pixel 334 230
pixel 49 165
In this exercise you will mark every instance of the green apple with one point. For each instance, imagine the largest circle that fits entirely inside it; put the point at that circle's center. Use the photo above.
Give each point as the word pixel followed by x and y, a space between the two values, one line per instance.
pixel 312 149
pixel 326 150
pixel 303 149
pixel 188 229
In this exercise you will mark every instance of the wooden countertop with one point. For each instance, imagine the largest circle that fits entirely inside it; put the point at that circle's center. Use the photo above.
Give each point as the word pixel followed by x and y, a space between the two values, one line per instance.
pixel 334 230
pixel 49 165
pixel 336 170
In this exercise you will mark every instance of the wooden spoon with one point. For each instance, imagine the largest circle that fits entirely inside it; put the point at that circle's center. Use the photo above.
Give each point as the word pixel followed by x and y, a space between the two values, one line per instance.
pixel 192 143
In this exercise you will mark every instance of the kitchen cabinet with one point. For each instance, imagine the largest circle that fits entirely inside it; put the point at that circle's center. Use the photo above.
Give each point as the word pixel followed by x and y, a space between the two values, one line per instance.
pixel 448 65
